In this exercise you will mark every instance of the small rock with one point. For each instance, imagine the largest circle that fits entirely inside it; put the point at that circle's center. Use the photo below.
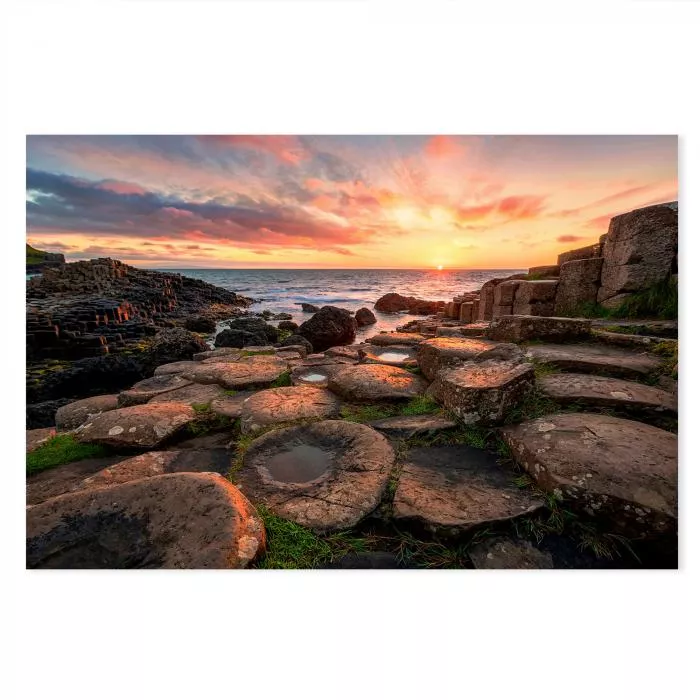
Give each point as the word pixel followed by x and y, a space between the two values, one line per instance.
pixel 365 317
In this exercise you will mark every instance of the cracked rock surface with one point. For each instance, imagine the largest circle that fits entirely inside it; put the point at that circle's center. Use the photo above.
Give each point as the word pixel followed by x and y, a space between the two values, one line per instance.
pixel 376 383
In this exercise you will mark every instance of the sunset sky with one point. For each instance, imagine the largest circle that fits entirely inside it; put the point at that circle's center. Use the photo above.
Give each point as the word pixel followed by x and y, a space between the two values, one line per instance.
pixel 337 201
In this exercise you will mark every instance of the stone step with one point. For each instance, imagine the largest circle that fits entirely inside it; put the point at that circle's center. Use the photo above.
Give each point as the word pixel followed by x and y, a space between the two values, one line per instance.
pixel 607 392
pixel 455 488
pixel 601 359
pixel 613 468
pixel 629 340
pixel 402 427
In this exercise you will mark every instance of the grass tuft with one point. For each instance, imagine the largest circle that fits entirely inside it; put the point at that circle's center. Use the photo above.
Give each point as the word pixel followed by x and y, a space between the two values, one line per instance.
pixel 61 449
pixel 285 379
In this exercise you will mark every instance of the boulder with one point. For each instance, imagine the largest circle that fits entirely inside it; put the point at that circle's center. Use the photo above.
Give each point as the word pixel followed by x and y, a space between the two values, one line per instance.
pixel 516 329
pixel 482 393
pixel 328 327
pixel 200 324
pixel 285 405
pixel 43 414
pixel 298 340
pixel 441 353
pixel 192 395
pixel 178 521
pixel 288 326
pixel 640 250
pixel 404 427
pixel 598 359
pixel 396 339
pixel 175 344
pixel 376 383
pixel 146 389
pixel 72 415
pixel 606 392
pixel 621 470
pixel 256 326
pixel 325 476
pixel 393 303
pixel 365 317
pixel 455 488
pixel 143 426
pixel 589 251
pixel 248 372
pixel 310 308
pixel 578 284
pixel 237 338
pixel 509 553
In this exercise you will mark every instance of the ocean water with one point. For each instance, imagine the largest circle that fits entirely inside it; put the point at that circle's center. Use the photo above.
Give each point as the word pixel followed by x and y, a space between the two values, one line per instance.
pixel 284 290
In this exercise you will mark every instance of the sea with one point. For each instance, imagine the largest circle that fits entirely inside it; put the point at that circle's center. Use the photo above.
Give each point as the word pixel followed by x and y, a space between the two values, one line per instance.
pixel 283 291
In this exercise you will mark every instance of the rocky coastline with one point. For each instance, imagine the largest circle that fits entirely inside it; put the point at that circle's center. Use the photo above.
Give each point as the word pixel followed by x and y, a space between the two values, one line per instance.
pixel 529 424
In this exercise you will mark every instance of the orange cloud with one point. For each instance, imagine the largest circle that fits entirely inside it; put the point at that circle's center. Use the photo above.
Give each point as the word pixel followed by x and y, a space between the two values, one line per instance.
pixel 445 147
pixel 288 149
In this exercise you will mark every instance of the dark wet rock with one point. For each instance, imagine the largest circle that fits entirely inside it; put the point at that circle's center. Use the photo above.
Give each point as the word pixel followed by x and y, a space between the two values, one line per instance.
pixel 248 372
pixel 179 521
pixel 72 415
pixel 286 405
pixel 192 395
pixel 396 339
pixel 444 353
pixel 174 367
pixel 482 393
pixel 507 553
pixel 516 329
pixel 600 359
pixel 325 476
pixel 607 392
pixel 296 339
pixel 328 327
pixel 456 488
pixel 288 326
pixel 397 355
pixel 38 436
pixel 281 317
pixel 365 317
pixel 173 345
pixel 376 383
pixel 236 338
pixel 43 414
pixel 403 427
pixel 200 324
pixel 145 390
pixel 393 303
pixel 58 480
pixel 309 308
pixel 230 406
pixel 144 426
pixel 621 470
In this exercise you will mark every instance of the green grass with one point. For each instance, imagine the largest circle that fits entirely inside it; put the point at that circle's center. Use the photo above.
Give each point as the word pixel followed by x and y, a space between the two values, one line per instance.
pixel 230 392
pixel 285 379
pixel 542 369
pixel 365 413
pixel 420 405
pixel 283 335
pixel 206 422
pixel 61 449
pixel 668 351
pixel 534 405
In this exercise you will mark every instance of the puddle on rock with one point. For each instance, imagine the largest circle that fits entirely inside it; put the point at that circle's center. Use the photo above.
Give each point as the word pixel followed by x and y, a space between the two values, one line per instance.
pixel 314 377
pixel 393 356
pixel 299 464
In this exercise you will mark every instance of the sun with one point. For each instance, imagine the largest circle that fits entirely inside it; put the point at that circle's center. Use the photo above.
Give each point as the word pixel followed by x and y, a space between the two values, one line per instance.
pixel 439 267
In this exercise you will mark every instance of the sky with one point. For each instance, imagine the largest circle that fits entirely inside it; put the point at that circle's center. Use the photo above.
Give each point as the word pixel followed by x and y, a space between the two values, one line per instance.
pixel 337 201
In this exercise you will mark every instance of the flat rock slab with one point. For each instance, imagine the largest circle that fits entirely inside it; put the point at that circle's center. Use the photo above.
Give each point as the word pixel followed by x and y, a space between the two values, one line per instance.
pixel 396 355
pixel 58 480
pixel 344 352
pixel 70 416
pixel 156 463
pixel 396 339
pixel 456 488
pixel 219 352
pixel 192 395
pixel 610 467
pixel 230 406
pixel 38 436
pixel 442 353
pixel 316 372
pixel 285 405
pixel 482 393
pixel 145 390
pixel 253 371
pixel 174 368
pixel 402 427
pixel 326 476
pixel 607 392
pixel 507 553
pixel 173 521
pixel 602 359
pixel 515 329
pixel 376 383
pixel 143 426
